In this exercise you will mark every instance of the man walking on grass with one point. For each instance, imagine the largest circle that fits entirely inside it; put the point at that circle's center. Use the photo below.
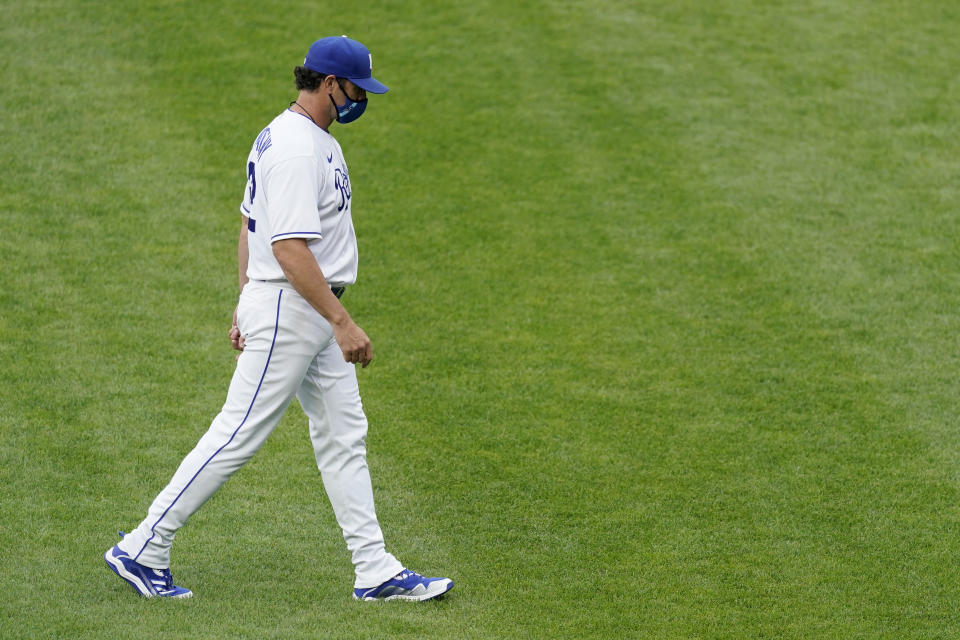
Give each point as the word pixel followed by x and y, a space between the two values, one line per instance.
pixel 297 255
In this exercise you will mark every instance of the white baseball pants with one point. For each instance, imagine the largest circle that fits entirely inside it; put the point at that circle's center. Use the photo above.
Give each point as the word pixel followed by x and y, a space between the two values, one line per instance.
pixel 290 351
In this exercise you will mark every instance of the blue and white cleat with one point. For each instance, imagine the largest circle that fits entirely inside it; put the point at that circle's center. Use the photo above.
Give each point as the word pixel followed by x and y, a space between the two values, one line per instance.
pixel 406 585
pixel 150 583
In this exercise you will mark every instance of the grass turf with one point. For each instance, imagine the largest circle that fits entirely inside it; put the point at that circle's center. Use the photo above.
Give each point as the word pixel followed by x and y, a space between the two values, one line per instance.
pixel 663 300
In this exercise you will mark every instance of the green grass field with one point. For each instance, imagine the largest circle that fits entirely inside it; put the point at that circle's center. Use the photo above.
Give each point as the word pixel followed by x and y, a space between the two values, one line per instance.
pixel 663 296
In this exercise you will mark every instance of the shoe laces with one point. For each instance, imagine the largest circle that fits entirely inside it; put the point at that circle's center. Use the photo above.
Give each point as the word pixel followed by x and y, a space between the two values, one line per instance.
pixel 167 580
pixel 168 585
pixel 406 573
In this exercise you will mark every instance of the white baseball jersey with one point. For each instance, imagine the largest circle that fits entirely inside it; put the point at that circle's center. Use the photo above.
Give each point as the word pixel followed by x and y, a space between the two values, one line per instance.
pixel 298 187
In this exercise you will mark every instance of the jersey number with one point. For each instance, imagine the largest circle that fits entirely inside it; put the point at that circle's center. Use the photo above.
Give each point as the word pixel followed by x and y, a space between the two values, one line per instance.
pixel 252 180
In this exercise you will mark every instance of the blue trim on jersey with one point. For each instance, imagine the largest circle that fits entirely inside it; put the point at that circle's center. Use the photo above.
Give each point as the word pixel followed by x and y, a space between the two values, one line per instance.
pixel 276 327
pixel 243 205
pixel 298 233
pixel 252 225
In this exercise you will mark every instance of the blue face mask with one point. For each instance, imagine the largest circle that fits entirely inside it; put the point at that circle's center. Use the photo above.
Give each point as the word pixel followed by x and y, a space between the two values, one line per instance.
pixel 351 109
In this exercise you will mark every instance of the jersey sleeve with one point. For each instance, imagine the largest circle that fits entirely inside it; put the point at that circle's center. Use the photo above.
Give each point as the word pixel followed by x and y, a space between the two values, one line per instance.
pixel 292 187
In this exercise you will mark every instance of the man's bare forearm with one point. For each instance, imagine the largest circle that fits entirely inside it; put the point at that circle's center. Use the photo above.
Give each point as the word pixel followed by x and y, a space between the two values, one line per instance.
pixel 303 272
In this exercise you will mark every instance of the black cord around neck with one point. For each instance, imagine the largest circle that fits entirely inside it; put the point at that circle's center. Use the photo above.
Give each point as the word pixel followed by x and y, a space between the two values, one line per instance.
pixel 306 112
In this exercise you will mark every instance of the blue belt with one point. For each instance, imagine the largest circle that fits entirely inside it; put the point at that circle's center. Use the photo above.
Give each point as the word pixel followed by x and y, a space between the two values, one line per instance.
pixel 282 282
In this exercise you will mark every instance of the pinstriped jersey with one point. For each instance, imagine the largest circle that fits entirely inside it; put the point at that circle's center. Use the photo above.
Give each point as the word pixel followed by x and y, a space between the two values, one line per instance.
pixel 298 187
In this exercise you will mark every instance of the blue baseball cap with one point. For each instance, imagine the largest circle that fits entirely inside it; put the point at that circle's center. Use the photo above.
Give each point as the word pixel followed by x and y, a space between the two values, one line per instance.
pixel 344 58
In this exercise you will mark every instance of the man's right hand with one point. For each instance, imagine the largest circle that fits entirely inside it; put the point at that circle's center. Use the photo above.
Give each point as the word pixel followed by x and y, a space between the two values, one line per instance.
pixel 354 343
pixel 236 339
